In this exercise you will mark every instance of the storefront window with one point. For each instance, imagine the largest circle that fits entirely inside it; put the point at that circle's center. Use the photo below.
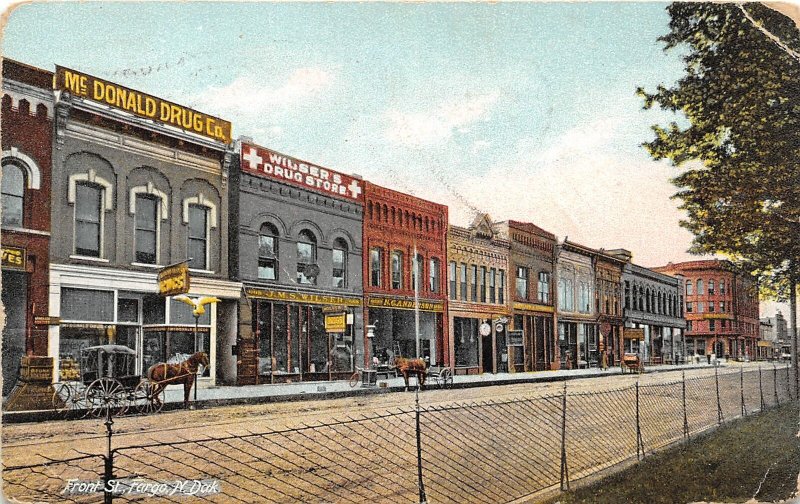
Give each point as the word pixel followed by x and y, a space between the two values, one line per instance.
pixel 268 252
pixel 339 257
pixel 466 341
pixel 396 329
pixel 87 305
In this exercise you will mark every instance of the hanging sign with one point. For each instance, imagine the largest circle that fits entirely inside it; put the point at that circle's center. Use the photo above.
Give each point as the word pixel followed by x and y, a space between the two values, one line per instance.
pixel 633 333
pixel 14 258
pixel 141 104
pixel 335 323
pixel 174 280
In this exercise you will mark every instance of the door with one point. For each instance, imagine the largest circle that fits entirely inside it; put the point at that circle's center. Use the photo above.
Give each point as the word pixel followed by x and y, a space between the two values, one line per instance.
pixel 15 290
pixel 487 354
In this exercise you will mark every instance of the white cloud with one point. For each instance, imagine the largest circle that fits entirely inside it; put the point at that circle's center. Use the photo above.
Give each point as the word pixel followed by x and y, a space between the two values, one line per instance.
pixel 246 96
pixel 423 129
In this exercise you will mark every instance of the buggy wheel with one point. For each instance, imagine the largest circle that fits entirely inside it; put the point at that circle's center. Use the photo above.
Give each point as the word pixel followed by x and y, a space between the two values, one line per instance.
pixel 446 378
pixel 355 379
pixel 148 399
pixel 66 398
pixel 106 393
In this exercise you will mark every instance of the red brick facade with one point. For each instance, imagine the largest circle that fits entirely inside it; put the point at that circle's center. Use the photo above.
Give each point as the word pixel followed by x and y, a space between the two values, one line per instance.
pixel 721 308
pixel 398 223
pixel 27 142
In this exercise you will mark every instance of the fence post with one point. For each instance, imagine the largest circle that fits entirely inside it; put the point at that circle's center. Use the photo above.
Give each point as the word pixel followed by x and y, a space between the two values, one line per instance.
pixel 720 418
pixel 775 384
pixel 422 498
pixel 685 416
pixel 760 388
pixel 564 466
pixel 741 389
pixel 789 383
pixel 108 473
pixel 639 441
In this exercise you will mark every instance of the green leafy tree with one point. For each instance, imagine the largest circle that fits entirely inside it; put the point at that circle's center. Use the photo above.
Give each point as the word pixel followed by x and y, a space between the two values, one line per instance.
pixel 737 136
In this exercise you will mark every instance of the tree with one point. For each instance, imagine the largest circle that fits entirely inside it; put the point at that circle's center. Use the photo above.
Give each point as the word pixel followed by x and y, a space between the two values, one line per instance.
pixel 740 178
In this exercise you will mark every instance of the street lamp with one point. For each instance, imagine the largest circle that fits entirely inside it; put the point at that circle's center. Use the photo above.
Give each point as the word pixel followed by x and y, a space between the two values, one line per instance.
pixel 198 309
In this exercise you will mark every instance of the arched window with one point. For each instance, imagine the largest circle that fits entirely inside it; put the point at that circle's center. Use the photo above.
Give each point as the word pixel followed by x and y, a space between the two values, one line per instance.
pixel 699 286
pixel 647 300
pixel 688 287
pixel 13 195
pixel 340 262
pixel 268 252
pixel 711 286
pixel 307 269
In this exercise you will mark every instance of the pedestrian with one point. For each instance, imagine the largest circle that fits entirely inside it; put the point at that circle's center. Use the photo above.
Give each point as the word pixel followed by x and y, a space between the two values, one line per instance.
pixel 604 361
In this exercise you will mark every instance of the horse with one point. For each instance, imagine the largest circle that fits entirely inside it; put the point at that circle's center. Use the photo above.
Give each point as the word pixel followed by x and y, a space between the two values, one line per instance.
pixel 418 367
pixel 162 374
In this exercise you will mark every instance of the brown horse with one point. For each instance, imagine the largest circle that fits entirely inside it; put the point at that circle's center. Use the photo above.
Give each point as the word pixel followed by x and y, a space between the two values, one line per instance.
pixel 417 367
pixel 163 374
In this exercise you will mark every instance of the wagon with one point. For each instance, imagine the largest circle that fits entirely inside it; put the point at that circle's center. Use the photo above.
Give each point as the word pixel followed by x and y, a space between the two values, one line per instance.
pixel 443 376
pixel 632 362
pixel 106 381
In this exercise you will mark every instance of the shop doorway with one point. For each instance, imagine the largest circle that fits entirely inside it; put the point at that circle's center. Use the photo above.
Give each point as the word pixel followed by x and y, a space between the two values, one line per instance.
pixel 15 301
pixel 487 354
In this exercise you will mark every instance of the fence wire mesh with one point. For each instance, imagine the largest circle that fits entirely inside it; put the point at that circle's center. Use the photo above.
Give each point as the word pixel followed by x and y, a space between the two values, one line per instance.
pixel 492 451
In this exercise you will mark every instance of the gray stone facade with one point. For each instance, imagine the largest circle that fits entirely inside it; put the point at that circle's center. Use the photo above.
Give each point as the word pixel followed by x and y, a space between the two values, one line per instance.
pixel 281 317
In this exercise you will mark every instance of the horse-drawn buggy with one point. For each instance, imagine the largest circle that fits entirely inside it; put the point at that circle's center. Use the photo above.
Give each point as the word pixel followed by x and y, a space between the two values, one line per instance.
pixel 106 380
pixel 421 368
pixel 632 362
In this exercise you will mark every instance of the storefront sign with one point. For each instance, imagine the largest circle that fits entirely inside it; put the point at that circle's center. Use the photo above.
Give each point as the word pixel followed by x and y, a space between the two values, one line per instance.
pixel 533 307
pixel 14 258
pixel 39 320
pixel 406 304
pixel 141 104
pixel 335 323
pixel 300 297
pixel 174 280
pixel 270 164
pixel 633 333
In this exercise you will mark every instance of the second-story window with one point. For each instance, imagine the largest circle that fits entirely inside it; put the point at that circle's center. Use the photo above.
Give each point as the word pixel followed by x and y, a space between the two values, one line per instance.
pixel 268 252
pixel 198 237
pixel 88 219
pixel 453 280
pixel 501 291
pixel 339 264
pixel 434 275
pixel 722 286
pixel 711 286
pixel 397 270
pixel 417 273
pixel 699 286
pixel 13 195
pixel 473 278
pixel 482 286
pixel 146 232
pixel 688 307
pixel 544 287
pixel 711 306
pixel 689 287
pixel 375 267
pixel 522 282
pixel 493 285
pixel 307 269
pixel 463 278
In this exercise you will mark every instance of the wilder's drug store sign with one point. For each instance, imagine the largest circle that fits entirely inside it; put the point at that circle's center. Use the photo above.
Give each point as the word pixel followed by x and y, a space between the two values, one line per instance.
pixel 141 104
pixel 270 164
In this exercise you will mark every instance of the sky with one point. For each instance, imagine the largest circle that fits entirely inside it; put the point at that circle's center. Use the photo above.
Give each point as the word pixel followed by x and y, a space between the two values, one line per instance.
pixel 526 111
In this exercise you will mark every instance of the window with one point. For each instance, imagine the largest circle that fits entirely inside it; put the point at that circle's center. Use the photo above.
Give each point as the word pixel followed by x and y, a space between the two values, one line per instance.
pixel 711 286
pixel 627 294
pixel 453 280
pixel 722 286
pixel 375 267
pixel 688 325
pixel 700 307
pixel 570 294
pixel 722 305
pixel 584 306
pixel 397 270
pixel 463 272
pixel 688 307
pixel 146 228
pixel 198 237
pixel 501 294
pixel 522 282
pixel 699 286
pixel 13 195
pixel 268 252
pixel 417 273
pixel 712 324
pixel 544 287
pixel 493 285
pixel 88 219
pixel 434 275
pixel 473 279
pixel 482 287
pixel 688 287
pixel 307 269
pixel 711 306
pixel 339 264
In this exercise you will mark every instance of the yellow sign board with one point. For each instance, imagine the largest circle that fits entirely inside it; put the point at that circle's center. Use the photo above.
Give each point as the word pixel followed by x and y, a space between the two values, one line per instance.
pixel 141 104
pixel 14 258
pixel 633 333
pixel 533 307
pixel 174 279
pixel 300 297
pixel 335 323
pixel 406 304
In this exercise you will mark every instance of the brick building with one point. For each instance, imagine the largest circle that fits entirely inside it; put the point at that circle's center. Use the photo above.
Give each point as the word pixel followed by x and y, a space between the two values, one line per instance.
pixel 578 332
pixel 721 308
pixel 478 306
pixel 27 117
pixel 404 252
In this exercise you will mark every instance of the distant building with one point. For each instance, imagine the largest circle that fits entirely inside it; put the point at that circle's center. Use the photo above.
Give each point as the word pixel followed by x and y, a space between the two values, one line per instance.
pixel 721 308
pixel 578 328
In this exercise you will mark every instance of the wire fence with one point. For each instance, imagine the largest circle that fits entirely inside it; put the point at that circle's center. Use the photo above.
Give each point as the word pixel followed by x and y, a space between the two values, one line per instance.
pixel 491 451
